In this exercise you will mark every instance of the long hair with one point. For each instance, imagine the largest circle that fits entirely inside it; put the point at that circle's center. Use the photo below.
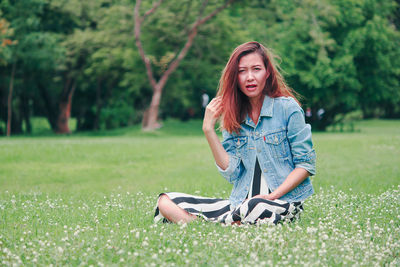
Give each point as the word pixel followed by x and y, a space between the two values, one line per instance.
pixel 236 104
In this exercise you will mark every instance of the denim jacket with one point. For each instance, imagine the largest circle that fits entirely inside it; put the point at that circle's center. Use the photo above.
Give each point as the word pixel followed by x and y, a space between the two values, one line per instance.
pixel 282 142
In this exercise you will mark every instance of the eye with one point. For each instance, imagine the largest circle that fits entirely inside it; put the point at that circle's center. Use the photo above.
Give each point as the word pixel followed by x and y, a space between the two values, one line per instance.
pixel 240 71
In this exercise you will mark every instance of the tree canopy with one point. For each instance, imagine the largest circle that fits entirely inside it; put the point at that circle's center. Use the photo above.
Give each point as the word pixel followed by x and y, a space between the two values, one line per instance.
pixel 79 58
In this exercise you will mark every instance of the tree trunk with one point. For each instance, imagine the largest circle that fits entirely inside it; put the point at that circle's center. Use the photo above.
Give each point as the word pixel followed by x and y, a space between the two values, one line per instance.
pixel 26 112
pixel 16 123
pixel 152 123
pixel 9 101
pixel 150 118
pixel 96 125
pixel 65 108
pixel 50 110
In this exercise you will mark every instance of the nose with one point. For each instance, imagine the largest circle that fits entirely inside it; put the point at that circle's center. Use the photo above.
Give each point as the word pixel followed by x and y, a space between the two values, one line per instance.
pixel 250 76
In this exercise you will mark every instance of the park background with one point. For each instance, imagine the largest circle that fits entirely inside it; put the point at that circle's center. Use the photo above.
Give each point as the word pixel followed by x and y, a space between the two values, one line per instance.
pixel 79 176
pixel 79 59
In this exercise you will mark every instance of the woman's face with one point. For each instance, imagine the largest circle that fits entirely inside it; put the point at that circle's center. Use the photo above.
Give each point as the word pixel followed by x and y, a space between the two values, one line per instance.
pixel 252 75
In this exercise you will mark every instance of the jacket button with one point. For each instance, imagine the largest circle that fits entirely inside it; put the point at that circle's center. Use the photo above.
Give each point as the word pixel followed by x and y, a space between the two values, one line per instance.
pixel 265 170
pixel 258 150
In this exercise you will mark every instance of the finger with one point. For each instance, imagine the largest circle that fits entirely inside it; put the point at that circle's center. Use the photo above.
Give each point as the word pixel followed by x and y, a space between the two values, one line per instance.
pixel 219 106
pixel 219 110
pixel 214 104
pixel 218 102
pixel 216 99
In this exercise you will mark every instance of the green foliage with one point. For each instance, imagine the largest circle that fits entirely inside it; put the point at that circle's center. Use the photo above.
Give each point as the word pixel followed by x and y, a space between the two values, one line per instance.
pixel 118 115
pixel 200 70
pixel 346 122
pixel 5 42
pixel 340 55
pixel 39 58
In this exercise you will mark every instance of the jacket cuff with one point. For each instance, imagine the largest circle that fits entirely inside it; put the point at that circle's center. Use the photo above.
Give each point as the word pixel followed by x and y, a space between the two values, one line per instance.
pixel 233 163
pixel 306 161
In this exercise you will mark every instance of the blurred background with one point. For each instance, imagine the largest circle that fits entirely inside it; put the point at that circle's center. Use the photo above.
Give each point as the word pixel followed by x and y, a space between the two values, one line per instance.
pixel 76 65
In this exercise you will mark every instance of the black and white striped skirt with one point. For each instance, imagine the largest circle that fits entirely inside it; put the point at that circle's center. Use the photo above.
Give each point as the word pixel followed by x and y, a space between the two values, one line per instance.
pixel 251 211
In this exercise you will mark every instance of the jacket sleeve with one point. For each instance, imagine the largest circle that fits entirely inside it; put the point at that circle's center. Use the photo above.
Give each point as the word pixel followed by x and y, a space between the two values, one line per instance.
pixel 299 136
pixel 235 167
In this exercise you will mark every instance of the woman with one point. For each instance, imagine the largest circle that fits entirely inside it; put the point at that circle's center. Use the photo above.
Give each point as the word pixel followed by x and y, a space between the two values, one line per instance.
pixel 266 153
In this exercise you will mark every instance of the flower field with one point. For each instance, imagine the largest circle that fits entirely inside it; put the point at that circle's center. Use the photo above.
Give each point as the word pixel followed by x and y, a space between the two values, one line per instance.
pixel 89 200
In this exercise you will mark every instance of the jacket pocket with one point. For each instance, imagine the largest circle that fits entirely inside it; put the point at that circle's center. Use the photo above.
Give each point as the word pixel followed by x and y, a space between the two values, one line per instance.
pixel 278 144
pixel 240 143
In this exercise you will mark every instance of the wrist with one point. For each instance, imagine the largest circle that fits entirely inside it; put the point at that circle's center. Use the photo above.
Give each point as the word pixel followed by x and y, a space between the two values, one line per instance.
pixel 207 129
pixel 274 195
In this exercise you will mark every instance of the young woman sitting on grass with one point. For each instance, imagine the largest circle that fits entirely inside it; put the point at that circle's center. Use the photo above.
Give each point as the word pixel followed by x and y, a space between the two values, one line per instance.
pixel 266 152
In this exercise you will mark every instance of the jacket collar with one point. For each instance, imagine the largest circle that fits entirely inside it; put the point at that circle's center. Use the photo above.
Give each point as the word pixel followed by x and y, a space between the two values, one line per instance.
pixel 266 110
pixel 267 107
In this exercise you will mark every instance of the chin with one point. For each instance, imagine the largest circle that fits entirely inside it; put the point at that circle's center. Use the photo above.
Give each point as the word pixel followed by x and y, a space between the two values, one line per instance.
pixel 254 95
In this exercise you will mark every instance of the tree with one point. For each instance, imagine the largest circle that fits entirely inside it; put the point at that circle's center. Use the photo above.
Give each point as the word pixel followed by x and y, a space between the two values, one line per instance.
pixel 5 40
pixel 376 61
pixel 340 55
pixel 96 58
pixel 171 60
pixel 39 28
pixel 5 33
pixel 318 63
pixel 80 58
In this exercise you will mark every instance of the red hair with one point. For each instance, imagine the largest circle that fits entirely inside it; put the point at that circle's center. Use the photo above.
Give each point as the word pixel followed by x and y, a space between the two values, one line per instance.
pixel 236 104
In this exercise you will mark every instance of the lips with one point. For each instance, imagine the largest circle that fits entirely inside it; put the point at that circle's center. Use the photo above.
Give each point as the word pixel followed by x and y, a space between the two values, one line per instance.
pixel 251 87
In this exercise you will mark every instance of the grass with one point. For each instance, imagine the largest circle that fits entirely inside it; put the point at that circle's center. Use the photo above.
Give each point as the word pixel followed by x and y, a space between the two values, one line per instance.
pixel 88 199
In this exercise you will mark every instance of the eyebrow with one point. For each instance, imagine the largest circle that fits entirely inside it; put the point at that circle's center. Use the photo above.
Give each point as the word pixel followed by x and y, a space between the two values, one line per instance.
pixel 258 65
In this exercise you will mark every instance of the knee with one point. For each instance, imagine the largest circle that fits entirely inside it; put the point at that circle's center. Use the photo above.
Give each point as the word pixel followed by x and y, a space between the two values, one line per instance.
pixel 164 202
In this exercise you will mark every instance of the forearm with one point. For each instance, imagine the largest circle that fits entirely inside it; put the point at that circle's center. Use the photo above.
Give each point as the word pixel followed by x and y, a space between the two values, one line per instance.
pixel 295 178
pixel 220 155
pixel 213 112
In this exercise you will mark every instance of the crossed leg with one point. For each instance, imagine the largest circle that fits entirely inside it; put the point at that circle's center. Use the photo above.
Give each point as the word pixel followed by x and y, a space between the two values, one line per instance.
pixel 172 212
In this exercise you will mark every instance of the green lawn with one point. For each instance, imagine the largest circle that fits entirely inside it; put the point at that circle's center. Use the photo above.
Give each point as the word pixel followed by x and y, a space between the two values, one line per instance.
pixel 88 199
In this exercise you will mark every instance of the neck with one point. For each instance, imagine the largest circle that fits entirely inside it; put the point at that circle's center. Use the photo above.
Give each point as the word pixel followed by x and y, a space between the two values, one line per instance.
pixel 256 104
pixel 255 108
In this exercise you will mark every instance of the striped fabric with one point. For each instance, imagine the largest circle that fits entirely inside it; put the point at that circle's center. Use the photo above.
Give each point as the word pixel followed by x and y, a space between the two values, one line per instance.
pixel 259 184
pixel 252 210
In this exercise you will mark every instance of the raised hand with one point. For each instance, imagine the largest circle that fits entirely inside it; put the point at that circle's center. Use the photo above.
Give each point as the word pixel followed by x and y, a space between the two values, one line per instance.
pixel 213 112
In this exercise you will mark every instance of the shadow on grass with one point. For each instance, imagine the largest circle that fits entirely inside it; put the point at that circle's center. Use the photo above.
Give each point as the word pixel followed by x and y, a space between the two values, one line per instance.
pixel 173 127
pixel 170 127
